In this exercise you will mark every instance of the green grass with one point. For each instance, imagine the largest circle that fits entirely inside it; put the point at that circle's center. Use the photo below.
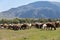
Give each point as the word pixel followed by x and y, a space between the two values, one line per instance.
pixel 30 34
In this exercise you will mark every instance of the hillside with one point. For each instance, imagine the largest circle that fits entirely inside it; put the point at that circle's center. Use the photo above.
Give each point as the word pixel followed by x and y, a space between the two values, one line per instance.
pixel 34 10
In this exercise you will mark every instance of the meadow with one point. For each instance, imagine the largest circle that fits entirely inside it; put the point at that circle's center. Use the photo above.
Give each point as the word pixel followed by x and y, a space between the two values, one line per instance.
pixel 30 34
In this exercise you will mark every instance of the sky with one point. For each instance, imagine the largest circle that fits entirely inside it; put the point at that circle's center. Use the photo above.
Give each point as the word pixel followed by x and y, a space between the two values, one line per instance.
pixel 8 4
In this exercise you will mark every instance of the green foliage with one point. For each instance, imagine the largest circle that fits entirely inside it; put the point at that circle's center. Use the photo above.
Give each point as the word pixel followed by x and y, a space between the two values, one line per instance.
pixel 16 20
pixel 42 20
pixel 27 20
pixel 3 21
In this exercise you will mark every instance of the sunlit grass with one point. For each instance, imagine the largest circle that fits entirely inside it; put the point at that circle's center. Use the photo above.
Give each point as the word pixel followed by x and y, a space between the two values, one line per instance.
pixel 30 34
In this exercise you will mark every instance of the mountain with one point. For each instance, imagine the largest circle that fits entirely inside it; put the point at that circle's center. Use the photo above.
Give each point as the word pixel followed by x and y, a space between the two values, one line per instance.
pixel 38 9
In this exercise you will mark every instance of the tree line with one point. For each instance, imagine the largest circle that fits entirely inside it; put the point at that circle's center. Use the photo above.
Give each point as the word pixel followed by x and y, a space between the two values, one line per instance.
pixel 27 20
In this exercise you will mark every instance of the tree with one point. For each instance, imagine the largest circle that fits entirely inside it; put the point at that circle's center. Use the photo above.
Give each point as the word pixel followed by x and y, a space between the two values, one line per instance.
pixel 16 20
pixel 3 21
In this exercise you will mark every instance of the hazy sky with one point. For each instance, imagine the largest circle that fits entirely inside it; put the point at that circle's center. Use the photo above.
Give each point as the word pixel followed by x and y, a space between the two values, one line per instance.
pixel 7 4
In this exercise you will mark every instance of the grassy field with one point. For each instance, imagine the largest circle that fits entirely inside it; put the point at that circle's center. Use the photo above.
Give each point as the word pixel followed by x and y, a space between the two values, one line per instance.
pixel 30 34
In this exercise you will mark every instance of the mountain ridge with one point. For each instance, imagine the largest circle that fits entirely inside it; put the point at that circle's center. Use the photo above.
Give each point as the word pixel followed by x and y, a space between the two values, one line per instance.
pixel 38 9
